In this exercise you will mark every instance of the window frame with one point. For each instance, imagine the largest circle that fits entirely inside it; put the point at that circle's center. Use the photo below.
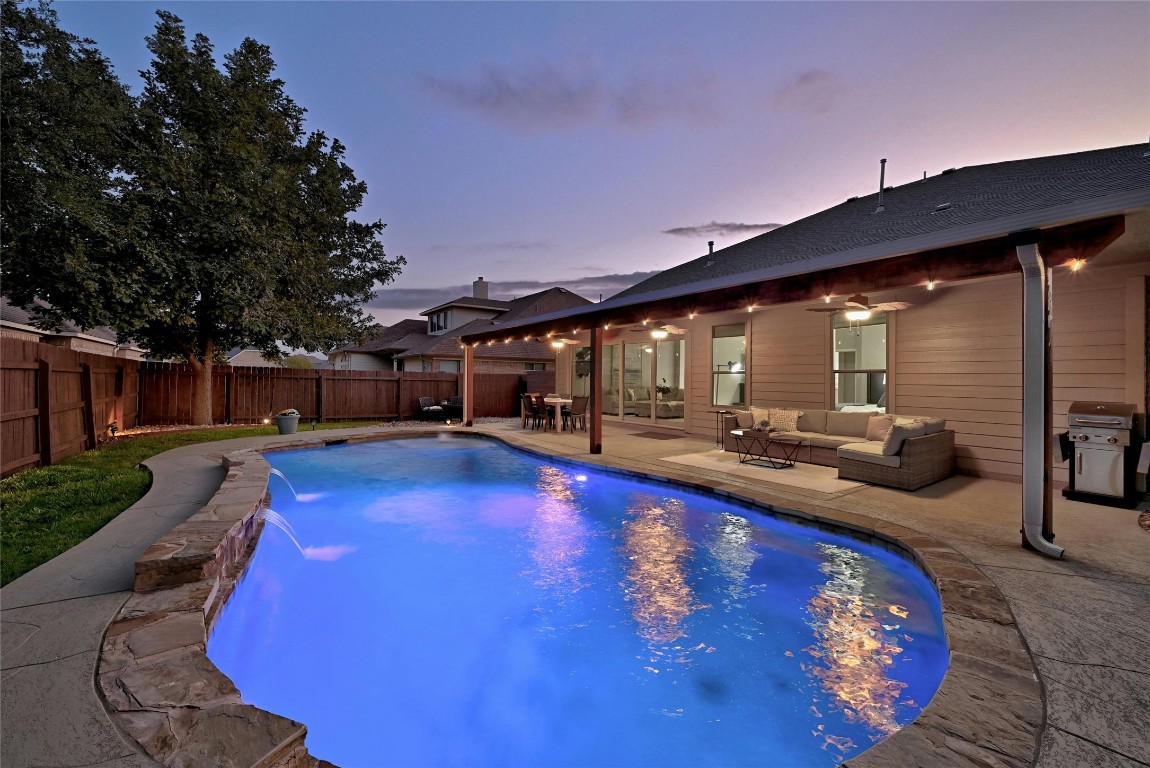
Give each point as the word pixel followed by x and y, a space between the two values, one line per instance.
pixel 716 373
pixel 839 322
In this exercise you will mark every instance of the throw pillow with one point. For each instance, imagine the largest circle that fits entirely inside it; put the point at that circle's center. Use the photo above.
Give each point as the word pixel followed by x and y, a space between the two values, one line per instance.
pixel 743 420
pixel 877 427
pixel 785 419
pixel 759 415
pixel 898 434
pixel 763 426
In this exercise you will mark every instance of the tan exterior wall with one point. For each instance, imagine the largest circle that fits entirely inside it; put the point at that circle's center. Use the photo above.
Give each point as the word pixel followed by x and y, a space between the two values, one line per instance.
pixel 12 333
pixel 957 353
pixel 358 361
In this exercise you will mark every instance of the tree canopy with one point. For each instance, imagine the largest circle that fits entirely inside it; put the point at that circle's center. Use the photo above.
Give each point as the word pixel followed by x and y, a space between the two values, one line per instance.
pixel 65 123
pixel 218 221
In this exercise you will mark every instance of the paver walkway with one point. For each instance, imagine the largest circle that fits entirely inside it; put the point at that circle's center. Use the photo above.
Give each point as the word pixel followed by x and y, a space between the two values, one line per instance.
pixel 1086 618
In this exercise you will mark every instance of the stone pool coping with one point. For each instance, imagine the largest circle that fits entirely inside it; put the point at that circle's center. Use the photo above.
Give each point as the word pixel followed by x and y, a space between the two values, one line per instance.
pixel 162 690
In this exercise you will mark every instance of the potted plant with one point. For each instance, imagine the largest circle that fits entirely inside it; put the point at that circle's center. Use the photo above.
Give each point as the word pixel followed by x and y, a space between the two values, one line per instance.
pixel 287 420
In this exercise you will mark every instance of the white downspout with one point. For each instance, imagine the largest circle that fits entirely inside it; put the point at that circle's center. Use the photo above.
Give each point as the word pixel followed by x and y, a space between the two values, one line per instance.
pixel 1035 430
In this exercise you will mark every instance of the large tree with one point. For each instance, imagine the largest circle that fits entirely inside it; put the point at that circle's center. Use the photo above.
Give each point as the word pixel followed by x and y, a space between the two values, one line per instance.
pixel 65 131
pixel 235 226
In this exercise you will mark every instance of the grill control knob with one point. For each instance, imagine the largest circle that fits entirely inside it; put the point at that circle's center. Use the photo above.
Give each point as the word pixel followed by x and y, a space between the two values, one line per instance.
pixel 1112 440
pixel 1084 437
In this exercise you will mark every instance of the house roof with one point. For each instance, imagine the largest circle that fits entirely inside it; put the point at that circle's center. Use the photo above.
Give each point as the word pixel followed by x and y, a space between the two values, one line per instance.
pixel 387 339
pixel 550 300
pixel 472 303
pixel 448 345
pixel 959 207
pixel 950 200
pixel 14 315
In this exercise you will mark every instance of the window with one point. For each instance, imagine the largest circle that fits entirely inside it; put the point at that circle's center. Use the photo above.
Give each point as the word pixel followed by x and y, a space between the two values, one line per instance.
pixel 438 321
pixel 449 366
pixel 859 349
pixel 729 364
pixel 535 366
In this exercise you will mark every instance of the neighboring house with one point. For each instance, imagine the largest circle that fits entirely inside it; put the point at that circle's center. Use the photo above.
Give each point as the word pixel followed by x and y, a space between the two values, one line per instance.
pixel 432 345
pixel 16 323
pixel 252 357
pixel 377 353
pixel 964 250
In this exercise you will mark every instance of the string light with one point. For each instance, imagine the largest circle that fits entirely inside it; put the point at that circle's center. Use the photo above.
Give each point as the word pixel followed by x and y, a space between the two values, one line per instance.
pixel 930 285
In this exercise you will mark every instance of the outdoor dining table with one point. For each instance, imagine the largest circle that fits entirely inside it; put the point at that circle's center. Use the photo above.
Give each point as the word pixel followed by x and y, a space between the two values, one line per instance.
pixel 558 403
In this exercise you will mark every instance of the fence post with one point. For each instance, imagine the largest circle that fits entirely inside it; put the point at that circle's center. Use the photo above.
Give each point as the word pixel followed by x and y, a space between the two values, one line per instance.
pixel 399 392
pixel 87 396
pixel 44 403
pixel 320 399
pixel 229 395
pixel 118 401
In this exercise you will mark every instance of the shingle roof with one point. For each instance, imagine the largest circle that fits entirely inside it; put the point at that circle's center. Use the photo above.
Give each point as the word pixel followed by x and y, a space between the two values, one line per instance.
pixel 952 199
pixel 470 301
pixel 448 345
pixel 386 340
pixel 550 300
pixel 11 313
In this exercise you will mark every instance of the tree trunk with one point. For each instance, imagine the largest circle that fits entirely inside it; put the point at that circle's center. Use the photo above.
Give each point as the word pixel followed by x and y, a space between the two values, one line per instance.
pixel 202 390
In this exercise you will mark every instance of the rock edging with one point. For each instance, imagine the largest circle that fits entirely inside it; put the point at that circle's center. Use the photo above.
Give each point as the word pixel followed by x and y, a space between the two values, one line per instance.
pixel 154 672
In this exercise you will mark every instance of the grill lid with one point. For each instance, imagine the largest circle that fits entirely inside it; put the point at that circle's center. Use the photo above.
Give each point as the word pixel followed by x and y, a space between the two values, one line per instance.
pixel 1083 413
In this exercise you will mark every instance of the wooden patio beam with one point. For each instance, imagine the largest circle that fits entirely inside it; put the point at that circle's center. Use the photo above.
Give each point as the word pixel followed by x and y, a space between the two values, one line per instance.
pixel 984 258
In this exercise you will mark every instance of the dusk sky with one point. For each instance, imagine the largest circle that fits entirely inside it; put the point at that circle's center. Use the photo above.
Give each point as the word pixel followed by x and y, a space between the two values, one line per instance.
pixel 589 144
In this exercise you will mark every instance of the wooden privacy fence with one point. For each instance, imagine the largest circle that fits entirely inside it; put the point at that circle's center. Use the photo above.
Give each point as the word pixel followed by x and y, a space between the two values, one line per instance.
pixel 248 395
pixel 55 402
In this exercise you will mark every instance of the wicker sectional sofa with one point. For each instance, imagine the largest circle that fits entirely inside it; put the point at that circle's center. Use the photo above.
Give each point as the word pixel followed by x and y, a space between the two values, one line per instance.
pixel 837 439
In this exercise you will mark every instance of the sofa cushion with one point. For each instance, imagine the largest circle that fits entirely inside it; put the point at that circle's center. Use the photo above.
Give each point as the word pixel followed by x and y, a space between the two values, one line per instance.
pixel 759 415
pixel 813 421
pixel 743 419
pixel 819 440
pixel 878 426
pixel 870 452
pixel 785 419
pixel 898 434
pixel 933 423
pixel 852 424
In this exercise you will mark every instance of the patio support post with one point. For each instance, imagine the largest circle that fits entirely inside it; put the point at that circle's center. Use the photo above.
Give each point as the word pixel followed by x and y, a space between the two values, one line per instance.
pixel 468 385
pixel 1037 416
pixel 594 410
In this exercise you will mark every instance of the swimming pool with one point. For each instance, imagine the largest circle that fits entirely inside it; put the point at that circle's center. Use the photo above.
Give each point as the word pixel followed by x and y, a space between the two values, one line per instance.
pixel 458 602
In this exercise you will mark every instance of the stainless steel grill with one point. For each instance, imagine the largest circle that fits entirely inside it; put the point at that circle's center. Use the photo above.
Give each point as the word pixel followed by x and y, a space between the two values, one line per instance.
pixel 1102 465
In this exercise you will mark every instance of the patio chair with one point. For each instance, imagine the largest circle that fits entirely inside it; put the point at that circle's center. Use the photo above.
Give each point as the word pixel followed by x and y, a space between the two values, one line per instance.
pixel 530 412
pixel 546 412
pixel 577 412
pixel 429 410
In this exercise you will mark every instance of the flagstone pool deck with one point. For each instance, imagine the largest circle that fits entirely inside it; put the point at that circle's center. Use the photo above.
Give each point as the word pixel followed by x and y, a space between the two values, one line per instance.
pixel 1080 624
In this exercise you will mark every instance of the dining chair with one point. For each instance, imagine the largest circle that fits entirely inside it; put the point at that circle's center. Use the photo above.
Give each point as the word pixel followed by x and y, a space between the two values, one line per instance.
pixel 577 412
pixel 530 412
pixel 546 412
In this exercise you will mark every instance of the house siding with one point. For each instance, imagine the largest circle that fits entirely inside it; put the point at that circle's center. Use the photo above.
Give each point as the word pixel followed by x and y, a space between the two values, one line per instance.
pixel 359 361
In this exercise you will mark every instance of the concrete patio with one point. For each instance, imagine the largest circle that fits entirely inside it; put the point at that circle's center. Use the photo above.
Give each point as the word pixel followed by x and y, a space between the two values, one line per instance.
pixel 1085 620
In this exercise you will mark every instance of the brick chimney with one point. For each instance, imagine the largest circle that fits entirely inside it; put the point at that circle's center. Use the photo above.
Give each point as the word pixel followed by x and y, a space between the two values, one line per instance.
pixel 479 288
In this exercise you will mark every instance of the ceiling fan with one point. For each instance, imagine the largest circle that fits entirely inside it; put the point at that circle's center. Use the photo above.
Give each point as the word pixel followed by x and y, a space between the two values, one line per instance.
pixel 858 307
pixel 658 329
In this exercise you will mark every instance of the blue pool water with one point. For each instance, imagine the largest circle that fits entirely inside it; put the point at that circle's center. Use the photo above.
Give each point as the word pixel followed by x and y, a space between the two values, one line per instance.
pixel 459 603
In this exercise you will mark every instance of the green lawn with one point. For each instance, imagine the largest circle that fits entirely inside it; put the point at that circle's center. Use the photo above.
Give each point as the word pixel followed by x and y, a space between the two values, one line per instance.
pixel 48 510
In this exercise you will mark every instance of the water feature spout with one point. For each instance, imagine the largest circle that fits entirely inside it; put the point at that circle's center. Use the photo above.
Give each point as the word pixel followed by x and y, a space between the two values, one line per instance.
pixel 278 520
pixel 300 497
pixel 328 553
